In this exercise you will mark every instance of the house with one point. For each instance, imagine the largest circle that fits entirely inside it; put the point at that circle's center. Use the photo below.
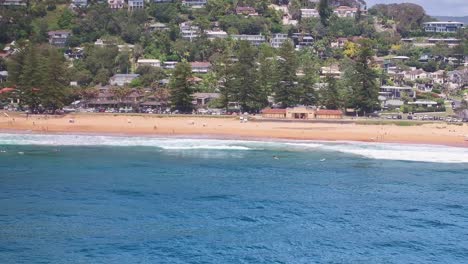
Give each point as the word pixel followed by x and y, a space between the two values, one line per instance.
pixel 308 12
pixel 12 2
pixel 80 3
pixel 396 92
pixel 200 67
pixel 345 11
pixel 246 11
pixel 278 39
pixel 216 34
pixel 59 38
pixel 154 27
pixel 116 4
pixel 202 99
pixel 400 58
pixel 136 4
pixel 443 26
pixel 273 113
pixel 448 41
pixel 328 114
pixel 189 31
pixel 149 62
pixel 169 65
pixel 194 3
pixel 423 103
pixel 162 1
pixel 122 79
pixel 338 43
pixel 414 74
pixel 74 54
pixel 255 40
pixel 332 70
pixel 302 40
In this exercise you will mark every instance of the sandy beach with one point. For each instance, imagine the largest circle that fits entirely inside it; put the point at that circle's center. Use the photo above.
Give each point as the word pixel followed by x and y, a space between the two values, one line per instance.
pixel 232 128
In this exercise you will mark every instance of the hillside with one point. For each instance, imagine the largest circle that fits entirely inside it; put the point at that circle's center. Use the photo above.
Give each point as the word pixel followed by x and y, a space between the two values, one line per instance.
pixel 463 19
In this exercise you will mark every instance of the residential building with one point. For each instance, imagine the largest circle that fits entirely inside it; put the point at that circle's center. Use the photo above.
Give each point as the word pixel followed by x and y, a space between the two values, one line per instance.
pixel 246 10
pixel 122 79
pixel 396 92
pixel 194 3
pixel 202 99
pixel 309 12
pixel 136 4
pixel 149 62
pixel 162 1
pixel 75 53
pixel 333 70
pixel 345 11
pixel 444 26
pixel 80 3
pixel 278 39
pixel 200 67
pixel 116 4
pixel 413 75
pixel 302 40
pixel 255 40
pixel 188 31
pixel 59 38
pixel 12 2
pixel 448 41
pixel 154 27
pixel 338 43
pixel 169 65
pixel 216 34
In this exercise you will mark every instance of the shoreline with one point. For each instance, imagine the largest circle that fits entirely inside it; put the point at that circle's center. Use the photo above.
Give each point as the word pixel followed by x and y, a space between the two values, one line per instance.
pixel 231 129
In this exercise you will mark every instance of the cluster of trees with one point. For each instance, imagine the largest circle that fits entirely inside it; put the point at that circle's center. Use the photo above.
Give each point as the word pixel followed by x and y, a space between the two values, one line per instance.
pixel 41 77
pixel 249 76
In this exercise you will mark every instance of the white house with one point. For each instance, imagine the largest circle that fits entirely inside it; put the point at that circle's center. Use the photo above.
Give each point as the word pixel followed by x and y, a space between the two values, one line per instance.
pixel 194 3
pixel 149 62
pixel 80 3
pixel 136 4
pixel 200 67
pixel 255 40
pixel 446 27
pixel 59 38
pixel 216 34
pixel 345 11
pixel 116 4
pixel 278 39
pixel 122 79
pixel 13 2
pixel 169 65
pixel 309 12
pixel 188 31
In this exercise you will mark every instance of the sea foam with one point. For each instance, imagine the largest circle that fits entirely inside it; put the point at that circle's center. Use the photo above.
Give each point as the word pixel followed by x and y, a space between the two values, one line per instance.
pixel 381 151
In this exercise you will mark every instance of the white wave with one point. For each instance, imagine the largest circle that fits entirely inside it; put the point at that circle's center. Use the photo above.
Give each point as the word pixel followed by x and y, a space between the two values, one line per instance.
pixel 403 152
pixel 381 151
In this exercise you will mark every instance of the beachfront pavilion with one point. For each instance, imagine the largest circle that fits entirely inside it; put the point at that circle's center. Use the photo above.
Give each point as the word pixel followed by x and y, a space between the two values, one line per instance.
pixel 328 114
pixel 274 113
pixel 300 112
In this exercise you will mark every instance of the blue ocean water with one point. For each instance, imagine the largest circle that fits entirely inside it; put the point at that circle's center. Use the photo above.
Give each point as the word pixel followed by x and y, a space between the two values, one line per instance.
pixel 87 199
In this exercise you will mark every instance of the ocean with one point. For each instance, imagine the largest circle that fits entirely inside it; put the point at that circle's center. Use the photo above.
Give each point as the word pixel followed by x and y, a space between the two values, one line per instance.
pixel 111 199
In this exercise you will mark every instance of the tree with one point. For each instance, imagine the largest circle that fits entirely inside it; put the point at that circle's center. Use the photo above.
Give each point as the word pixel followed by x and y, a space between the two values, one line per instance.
pixel 244 85
pixel 287 90
pixel 308 82
pixel 54 92
pixel 181 88
pixel 363 80
pixel 330 95
pixel 325 12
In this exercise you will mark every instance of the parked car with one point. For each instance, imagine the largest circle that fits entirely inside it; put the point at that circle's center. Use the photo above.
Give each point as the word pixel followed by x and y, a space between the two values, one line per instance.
pixel 409 117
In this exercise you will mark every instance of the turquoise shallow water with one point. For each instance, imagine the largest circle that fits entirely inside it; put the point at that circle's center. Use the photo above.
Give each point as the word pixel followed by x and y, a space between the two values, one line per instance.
pixel 105 200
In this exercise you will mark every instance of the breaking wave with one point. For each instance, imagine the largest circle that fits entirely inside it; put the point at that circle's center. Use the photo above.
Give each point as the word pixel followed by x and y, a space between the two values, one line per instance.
pixel 381 151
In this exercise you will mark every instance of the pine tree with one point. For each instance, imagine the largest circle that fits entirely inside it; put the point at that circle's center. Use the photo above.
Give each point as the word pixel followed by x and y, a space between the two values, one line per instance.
pixel 330 95
pixel 54 91
pixel 325 12
pixel 31 78
pixel 244 85
pixel 181 88
pixel 308 82
pixel 287 90
pixel 365 89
